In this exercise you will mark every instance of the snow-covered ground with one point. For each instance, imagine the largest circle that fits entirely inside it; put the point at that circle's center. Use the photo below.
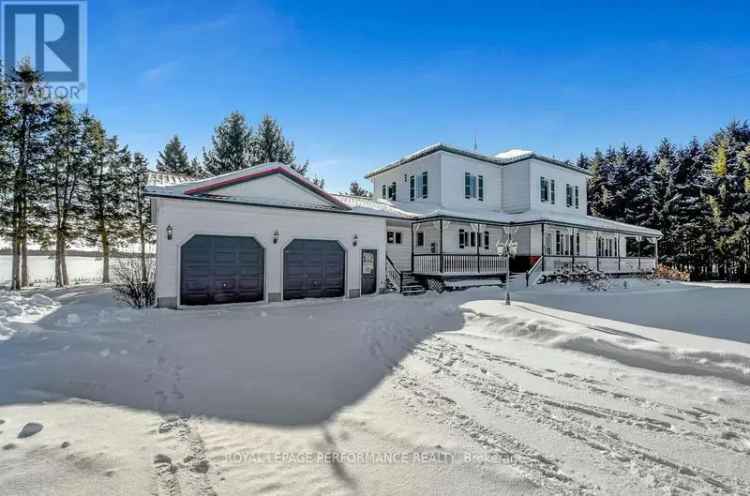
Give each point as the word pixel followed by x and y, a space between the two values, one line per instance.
pixel 42 269
pixel 434 394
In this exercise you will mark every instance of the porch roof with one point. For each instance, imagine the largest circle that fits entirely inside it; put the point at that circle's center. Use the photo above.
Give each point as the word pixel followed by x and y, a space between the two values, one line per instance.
pixel 424 211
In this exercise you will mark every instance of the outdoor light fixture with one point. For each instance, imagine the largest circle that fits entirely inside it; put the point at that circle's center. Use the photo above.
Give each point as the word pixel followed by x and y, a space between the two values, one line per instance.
pixel 356 240
pixel 276 236
pixel 170 231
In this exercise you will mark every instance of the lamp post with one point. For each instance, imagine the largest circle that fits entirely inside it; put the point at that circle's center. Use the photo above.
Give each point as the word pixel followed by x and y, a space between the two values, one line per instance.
pixel 507 249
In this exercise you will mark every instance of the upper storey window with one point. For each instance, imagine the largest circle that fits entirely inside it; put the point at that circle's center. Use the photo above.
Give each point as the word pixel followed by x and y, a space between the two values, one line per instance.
pixel 474 186
pixel 392 191
pixel 572 196
pixel 418 186
pixel 547 190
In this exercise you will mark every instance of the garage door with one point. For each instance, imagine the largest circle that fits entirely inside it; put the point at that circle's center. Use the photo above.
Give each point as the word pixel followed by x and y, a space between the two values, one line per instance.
pixel 313 269
pixel 221 269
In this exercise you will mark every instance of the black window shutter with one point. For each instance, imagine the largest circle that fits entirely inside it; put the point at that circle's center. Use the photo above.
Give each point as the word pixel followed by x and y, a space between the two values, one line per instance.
pixel 467 185
pixel 425 189
pixel 411 188
pixel 461 238
pixel 480 187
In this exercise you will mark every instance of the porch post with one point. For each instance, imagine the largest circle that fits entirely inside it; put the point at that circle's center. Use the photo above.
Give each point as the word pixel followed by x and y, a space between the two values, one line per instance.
pixel 596 235
pixel 543 252
pixel 412 246
pixel 619 255
pixel 656 252
pixel 479 259
pixel 640 242
pixel 573 247
pixel 442 258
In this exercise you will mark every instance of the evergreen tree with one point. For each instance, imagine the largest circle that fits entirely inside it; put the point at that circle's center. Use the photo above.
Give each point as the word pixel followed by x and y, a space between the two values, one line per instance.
pixel 62 172
pixel 105 167
pixel 356 190
pixel 139 228
pixel 232 146
pixel 174 159
pixel 269 144
pixel 27 117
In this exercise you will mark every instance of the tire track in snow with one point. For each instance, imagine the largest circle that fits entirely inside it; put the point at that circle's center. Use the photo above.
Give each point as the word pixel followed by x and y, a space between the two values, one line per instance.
pixel 575 425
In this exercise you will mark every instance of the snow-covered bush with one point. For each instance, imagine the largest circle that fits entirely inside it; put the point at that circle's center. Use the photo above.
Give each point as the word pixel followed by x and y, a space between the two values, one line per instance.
pixel 667 272
pixel 578 273
pixel 135 282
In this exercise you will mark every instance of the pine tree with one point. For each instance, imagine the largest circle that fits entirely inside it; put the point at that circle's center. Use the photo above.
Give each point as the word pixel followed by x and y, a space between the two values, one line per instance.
pixel 139 227
pixel 27 117
pixel 62 172
pixel 269 144
pixel 356 190
pixel 232 146
pixel 174 159
pixel 104 177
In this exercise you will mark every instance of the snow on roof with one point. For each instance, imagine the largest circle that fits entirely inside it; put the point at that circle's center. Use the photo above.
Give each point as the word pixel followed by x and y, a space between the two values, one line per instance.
pixel 513 153
pixel 156 178
pixel 497 160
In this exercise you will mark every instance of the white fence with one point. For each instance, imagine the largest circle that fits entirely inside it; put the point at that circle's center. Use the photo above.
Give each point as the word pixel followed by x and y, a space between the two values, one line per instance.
pixel 459 264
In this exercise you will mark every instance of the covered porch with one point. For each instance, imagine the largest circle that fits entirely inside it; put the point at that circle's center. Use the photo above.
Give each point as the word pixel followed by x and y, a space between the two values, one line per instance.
pixel 446 247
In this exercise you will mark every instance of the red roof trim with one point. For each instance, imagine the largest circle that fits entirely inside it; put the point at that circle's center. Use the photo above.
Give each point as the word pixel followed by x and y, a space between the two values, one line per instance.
pixel 256 175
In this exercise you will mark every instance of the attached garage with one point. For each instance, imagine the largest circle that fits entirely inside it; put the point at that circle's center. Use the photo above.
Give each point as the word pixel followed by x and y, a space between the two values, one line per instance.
pixel 314 269
pixel 221 269
pixel 263 234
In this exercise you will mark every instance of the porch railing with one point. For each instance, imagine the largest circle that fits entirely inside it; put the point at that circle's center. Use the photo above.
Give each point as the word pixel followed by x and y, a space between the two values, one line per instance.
pixel 459 264
pixel 533 274
pixel 393 274
pixel 609 265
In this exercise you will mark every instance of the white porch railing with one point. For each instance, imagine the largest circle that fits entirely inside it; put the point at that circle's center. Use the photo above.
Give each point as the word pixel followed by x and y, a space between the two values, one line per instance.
pixel 459 264
pixel 609 265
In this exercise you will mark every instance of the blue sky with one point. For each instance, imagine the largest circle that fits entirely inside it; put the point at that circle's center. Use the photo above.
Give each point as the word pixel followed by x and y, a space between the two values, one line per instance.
pixel 359 84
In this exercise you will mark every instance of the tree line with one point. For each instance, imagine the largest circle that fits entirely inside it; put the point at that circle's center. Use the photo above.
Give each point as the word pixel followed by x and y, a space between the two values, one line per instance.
pixel 697 195
pixel 235 145
pixel 63 178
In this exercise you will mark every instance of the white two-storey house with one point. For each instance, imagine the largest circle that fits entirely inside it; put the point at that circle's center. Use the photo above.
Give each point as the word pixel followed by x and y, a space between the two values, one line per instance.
pixel 266 233
pixel 458 204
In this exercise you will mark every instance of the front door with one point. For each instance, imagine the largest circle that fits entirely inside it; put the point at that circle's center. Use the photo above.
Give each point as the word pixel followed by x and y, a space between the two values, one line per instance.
pixel 369 271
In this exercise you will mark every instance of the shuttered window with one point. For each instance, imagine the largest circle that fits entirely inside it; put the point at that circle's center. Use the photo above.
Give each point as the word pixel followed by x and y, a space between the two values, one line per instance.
pixel 544 189
pixel 552 191
pixel 425 190
pixel 461 238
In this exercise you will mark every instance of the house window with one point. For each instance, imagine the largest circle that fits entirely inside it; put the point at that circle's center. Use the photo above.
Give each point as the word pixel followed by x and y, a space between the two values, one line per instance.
pixel 385 194
pixel 473 186
pixel 577 197
pixel 425 190
pixel 412 187
pixel 544 189
pixel 578 243
pixel 568 195
pixel 391 237
pixel 420 239
pixel 552 191
pixel 398 238
pixel 548 243
pixel 486 240
pixel 433 247
pixel 473 238
pixel 461 238
pixel 392 192
pixel 558 243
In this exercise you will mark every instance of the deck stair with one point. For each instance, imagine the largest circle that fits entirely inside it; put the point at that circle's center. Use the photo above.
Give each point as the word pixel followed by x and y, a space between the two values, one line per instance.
pixel 410 285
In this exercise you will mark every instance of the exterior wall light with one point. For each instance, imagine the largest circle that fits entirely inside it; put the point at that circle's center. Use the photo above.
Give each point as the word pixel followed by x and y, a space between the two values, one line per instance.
pixel 276 236
pixel 356 240
pixel 170 232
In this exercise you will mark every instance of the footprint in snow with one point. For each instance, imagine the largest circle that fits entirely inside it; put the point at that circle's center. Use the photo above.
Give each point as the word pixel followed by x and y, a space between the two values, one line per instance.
pixel 30 429
pixel 104 353
pixel 9 447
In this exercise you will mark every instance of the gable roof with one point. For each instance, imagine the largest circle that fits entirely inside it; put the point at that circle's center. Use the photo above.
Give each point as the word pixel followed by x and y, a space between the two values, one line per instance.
pixel 500 161
pixel 207 188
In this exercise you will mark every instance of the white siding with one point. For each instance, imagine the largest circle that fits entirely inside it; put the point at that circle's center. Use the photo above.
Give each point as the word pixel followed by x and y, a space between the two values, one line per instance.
pixel 516 190
pixel 189 218
pixel 400 254
pixel 562 176
pixel 454 169
pixel 400 175
pixel 273 187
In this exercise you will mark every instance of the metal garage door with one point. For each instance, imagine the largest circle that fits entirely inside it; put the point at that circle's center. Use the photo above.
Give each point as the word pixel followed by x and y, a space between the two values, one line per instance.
pixel 221 269
pixel 313 269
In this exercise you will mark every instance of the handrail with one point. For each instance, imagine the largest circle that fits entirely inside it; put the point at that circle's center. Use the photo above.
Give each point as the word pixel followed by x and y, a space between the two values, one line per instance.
pixel 393 274
pixel 539 263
